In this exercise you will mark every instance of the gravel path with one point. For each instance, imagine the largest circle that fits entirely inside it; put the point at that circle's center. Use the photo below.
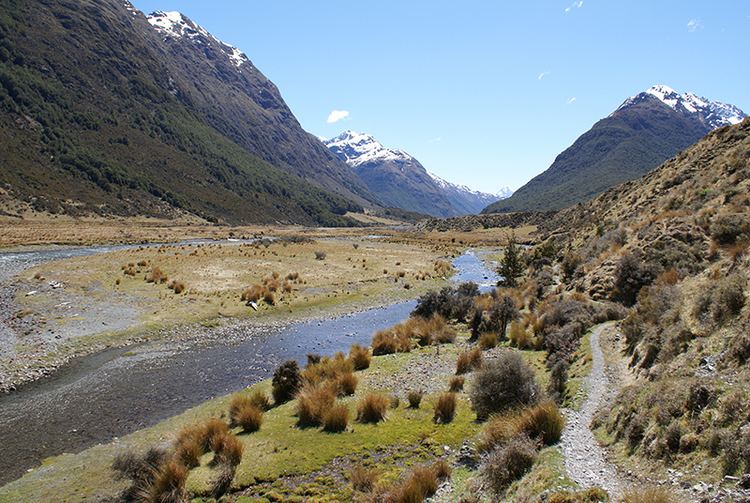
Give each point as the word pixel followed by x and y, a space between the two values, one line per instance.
pixel 586 461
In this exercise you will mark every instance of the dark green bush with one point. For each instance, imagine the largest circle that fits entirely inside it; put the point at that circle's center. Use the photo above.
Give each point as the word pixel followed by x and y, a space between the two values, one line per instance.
pixel 286 382
pixel 502 384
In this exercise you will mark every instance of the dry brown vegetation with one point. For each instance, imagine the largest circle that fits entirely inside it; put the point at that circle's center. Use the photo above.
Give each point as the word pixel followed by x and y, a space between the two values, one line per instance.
pixel 468 361
pixel 445 408
pixel 372 408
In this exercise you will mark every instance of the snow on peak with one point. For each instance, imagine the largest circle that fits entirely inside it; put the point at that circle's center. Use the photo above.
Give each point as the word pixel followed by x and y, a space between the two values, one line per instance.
pixel 714 113
pixel 360 148
pixel 503 193
pixel 174 24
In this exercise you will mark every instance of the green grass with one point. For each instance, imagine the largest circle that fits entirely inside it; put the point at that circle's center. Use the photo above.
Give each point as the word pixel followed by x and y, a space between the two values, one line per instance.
pixel 279 449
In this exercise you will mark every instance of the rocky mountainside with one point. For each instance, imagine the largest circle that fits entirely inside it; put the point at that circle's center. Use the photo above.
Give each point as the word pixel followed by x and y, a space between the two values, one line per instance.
pixel 640 134
pixel 103 110
pixel 399 180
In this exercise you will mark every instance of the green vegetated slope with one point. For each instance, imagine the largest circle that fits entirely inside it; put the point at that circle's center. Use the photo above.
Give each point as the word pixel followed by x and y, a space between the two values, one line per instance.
pixel 404 183
pixel 96 116
pixel 675 245
pixel 616 149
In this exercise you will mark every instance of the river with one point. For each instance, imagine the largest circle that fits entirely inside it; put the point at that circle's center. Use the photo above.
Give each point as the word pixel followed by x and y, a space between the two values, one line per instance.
pixel 117 391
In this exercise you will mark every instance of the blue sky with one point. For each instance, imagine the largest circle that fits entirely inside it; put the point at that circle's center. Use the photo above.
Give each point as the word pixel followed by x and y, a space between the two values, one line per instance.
pixel 482 93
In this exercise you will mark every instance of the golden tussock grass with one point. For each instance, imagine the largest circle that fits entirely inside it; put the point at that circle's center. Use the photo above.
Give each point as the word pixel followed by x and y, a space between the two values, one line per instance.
pixel 336 419
pixel 313 401
pixel 542 422
pixel 468 361
pixel 372 408
pixel 445 408
pixel 359 356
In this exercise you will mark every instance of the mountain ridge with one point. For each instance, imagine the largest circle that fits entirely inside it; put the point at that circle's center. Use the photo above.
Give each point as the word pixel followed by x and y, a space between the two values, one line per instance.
pixel 644 131
pixel 400 180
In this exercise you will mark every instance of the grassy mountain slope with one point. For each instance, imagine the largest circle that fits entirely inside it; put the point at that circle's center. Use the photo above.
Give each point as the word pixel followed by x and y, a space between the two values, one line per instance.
pixel 675 244
pixel 405 184
pixel 90 121
pixel 621 147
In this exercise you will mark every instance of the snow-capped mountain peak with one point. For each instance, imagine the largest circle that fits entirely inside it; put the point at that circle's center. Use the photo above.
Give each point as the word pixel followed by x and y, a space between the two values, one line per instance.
pixel 503 193
pixel 714 114
pixel 174 24
pixel 360 148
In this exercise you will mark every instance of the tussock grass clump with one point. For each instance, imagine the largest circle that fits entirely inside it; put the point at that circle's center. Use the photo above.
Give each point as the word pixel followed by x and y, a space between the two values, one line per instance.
pixel 653 494
pixel 421 482
pixel 487 340
pixel 260 400
pixel 327 368
pixel 542 422
pixel 156 275
pixel 228 449
pixel 359 356
pixel 504 383
pixel 211 432
pixel 253 293
pixel 509 462
pixel 312 404
pixel 363 479
pixel 286 382
pixel 372 408
pixel 445 408
pixel 188 446
pixel 269 298
pixel 468 361
pixel 396 339
pixel 168 485
pixel 249 418
pixel 153 476
pixel 346 384
pixel 177 286
pixel 320 255
pixel 336 419
pixel 414 398
pixel 519 337
pixel 456 384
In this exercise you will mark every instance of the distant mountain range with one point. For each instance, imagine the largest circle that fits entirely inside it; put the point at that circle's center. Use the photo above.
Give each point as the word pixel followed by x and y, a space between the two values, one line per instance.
pixel 640 134
pixel 105 110
pixel 398 179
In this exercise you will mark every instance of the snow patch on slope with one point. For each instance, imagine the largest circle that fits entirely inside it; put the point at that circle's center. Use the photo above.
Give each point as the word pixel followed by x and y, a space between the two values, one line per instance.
pixel 174 24
pixel 714 113
pixel 361 148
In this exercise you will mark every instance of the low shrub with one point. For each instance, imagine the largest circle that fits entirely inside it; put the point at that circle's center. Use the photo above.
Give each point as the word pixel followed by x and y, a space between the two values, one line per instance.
pixel 488 340
pixel 363 479
pixel 445 408
pixel 504 383
pixel 468 361
pixel 359 356
pixel 286 382
pixel 320 255
pixel 509 462
pixel 336 419
pixel 414 398
pixel 728 298
pixel 253 293
pixel 372 408
pixel 726 228
pixel 313 401
pixel 456 384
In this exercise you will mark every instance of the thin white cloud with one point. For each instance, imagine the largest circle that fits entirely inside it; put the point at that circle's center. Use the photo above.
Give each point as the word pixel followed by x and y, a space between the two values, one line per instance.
pixel 542 75
pixel 694 25
pixel 337 115
pixel 575 5
pixel 571 100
